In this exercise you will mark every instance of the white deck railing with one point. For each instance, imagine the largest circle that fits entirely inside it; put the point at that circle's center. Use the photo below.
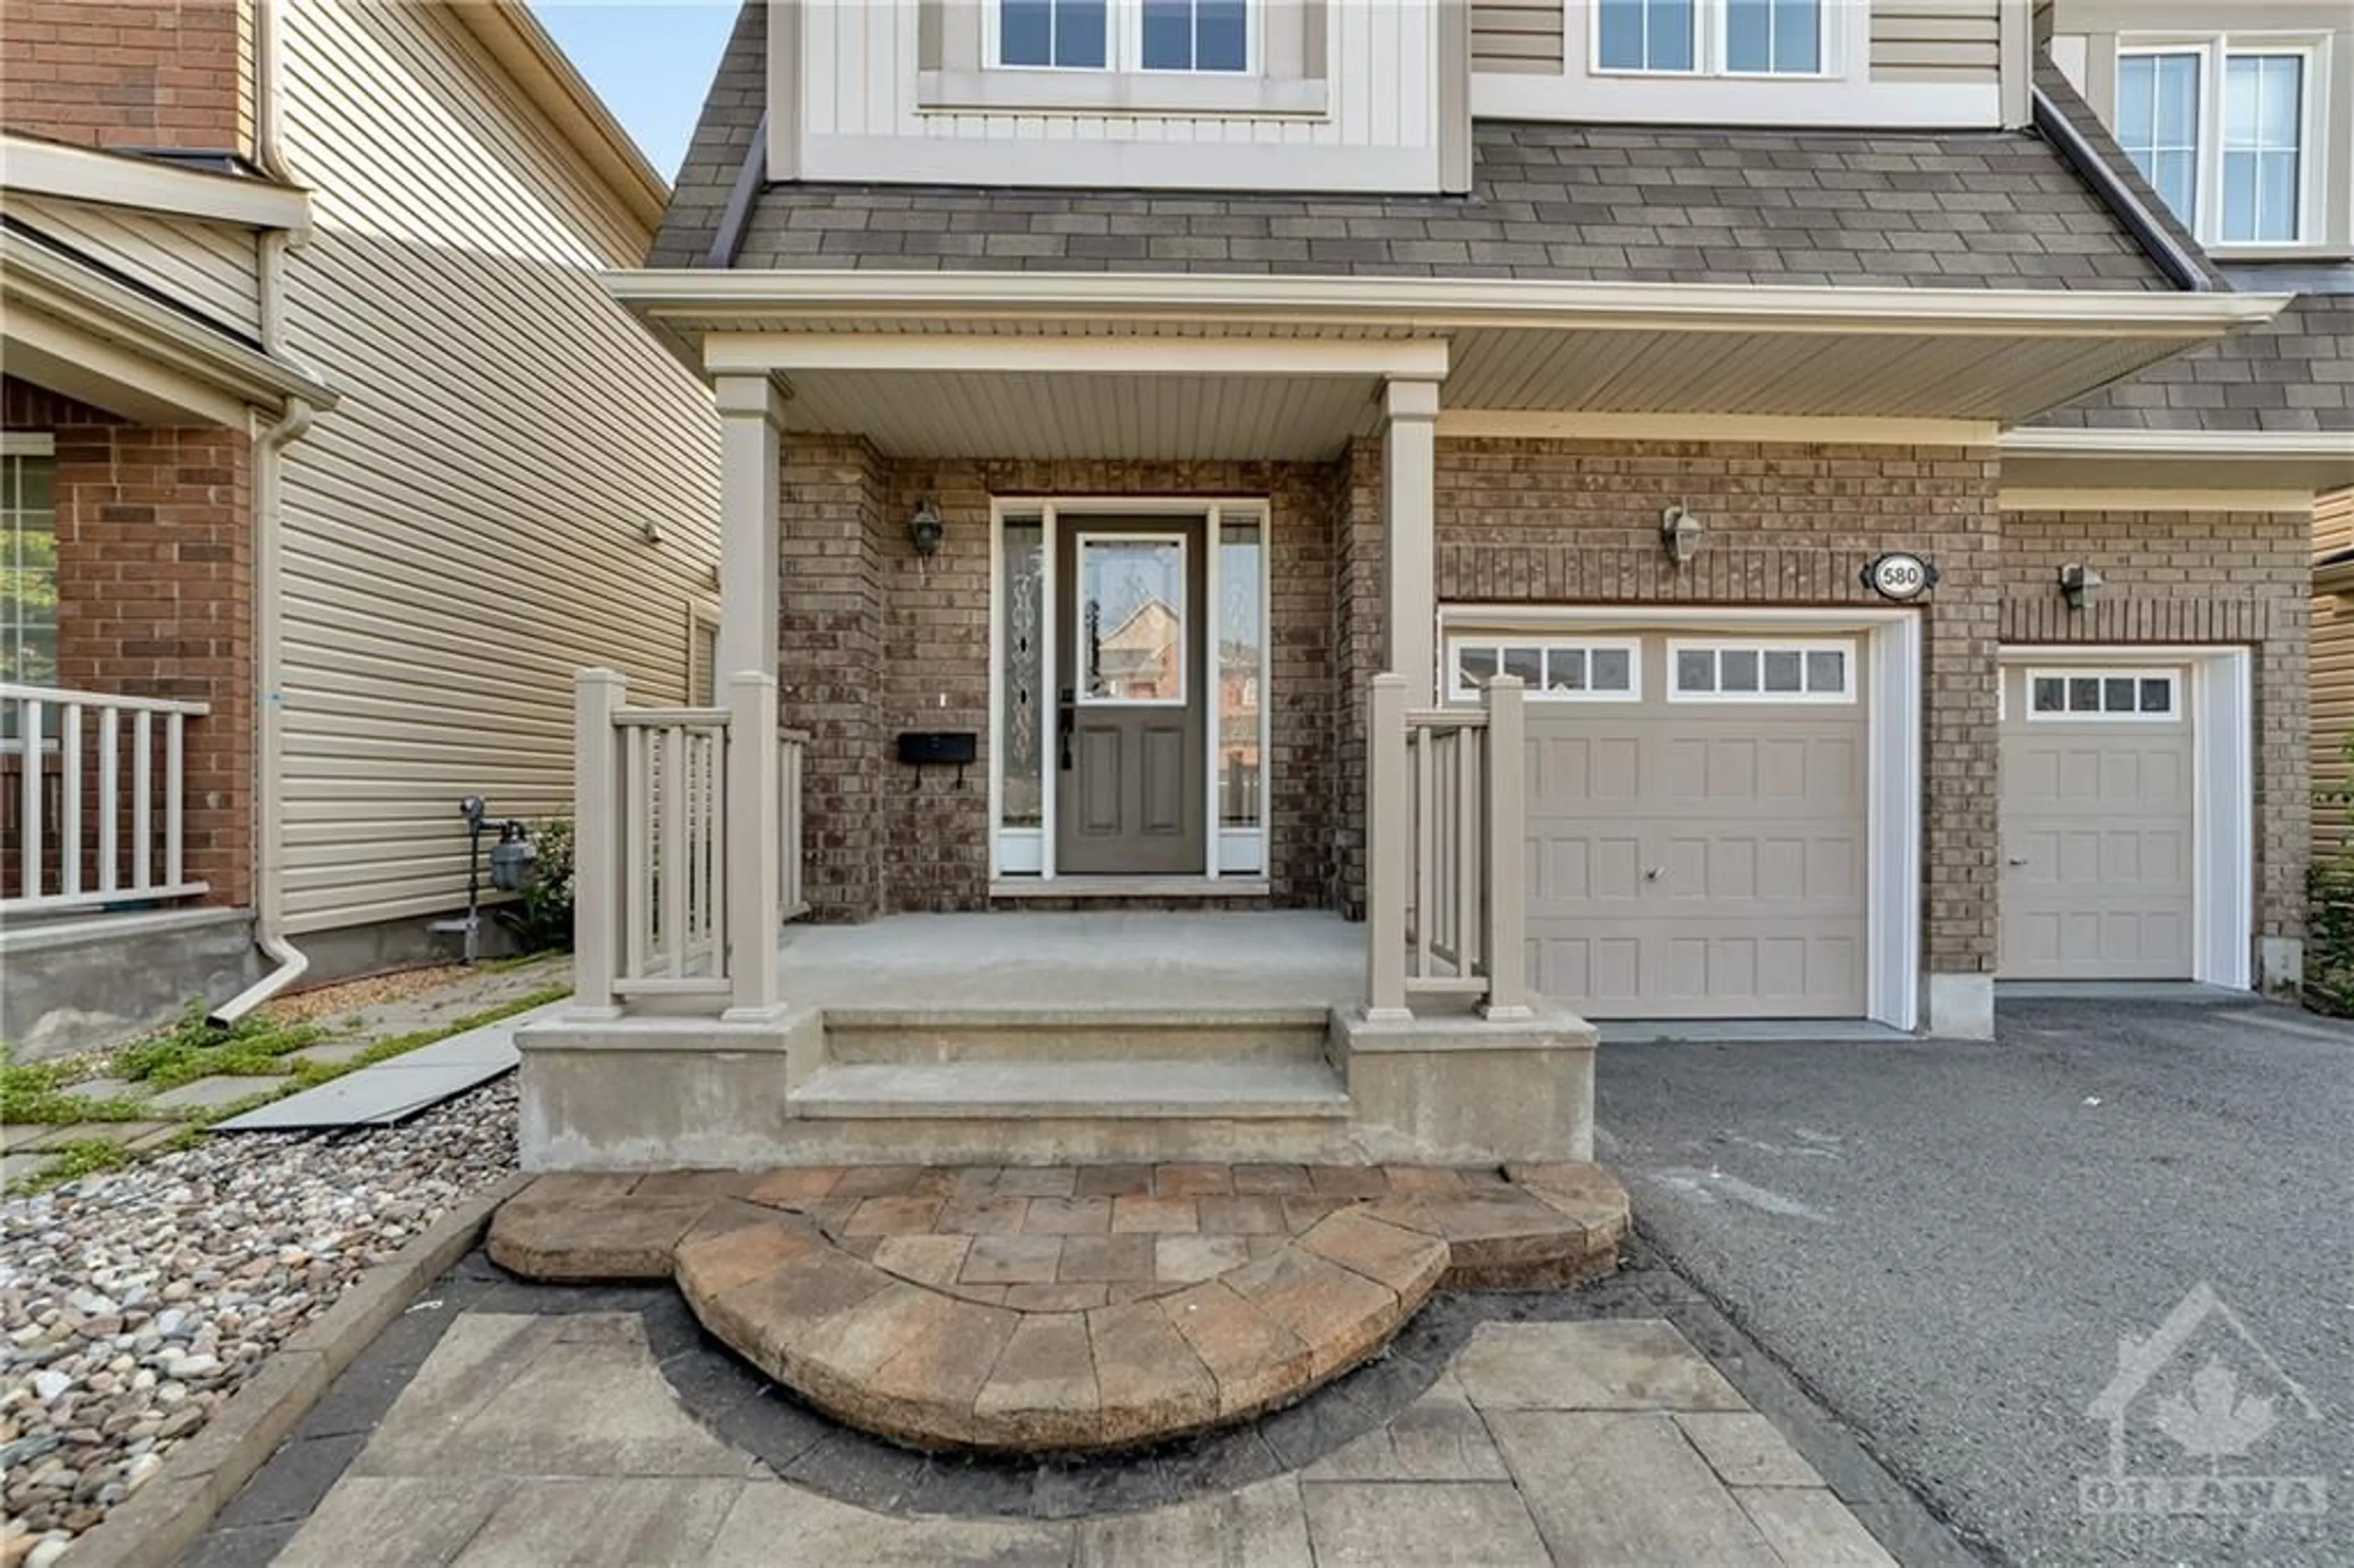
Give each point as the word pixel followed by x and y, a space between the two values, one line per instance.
pixel 688 848
pixel 1445 812
pixel 96 804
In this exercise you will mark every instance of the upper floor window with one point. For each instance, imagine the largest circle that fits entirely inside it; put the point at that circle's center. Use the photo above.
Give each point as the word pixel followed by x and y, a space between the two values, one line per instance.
pixel 2219 129
pixel 1128 35
pixel 1726 37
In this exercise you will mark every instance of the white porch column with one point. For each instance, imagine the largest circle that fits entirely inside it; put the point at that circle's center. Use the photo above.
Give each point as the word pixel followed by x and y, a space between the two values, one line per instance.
pixel 1409 528
pixel 751 413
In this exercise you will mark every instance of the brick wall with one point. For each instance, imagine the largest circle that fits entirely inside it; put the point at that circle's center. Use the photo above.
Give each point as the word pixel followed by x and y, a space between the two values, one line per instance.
pixel 128 73
pixel 2194 577
pixel 156 597
pixel 1578 523
pixel 1358 615
pixel 874 641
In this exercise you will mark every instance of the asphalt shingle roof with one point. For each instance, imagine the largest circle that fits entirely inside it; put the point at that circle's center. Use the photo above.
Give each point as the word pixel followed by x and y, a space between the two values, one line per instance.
pixel 2294 373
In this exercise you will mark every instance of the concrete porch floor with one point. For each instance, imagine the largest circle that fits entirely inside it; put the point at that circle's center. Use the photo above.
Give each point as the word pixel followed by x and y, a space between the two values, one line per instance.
pixel 1139 959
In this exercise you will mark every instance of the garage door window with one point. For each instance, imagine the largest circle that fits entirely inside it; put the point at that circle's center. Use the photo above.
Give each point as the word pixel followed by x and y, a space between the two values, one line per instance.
pixel 1761 671
pixel 2134 694
pixel 1563 670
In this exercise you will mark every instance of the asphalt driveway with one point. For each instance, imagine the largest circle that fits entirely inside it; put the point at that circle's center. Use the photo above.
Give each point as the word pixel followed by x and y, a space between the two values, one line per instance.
pixel 1946 1242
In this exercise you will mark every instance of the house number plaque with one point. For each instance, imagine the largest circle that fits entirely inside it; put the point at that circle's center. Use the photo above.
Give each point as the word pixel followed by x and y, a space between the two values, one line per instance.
pixel 1900 575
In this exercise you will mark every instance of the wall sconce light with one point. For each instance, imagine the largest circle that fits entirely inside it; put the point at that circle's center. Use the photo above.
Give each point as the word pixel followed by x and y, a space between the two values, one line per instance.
pixel 924 530
pixel 2078 584
pixel 1680 533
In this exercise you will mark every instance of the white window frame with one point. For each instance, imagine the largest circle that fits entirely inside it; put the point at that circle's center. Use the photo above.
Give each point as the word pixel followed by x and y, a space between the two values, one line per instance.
pixel 1461 691
pixel 1847 695
pixel 2199 55
pixel 2169 673
pixel 1124 45
pixel 2314 169
pixel 1712 48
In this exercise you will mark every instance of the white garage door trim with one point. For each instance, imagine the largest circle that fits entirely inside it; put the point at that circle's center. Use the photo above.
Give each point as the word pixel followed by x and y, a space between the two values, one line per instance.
pixel 2222 710
pixel 1891 642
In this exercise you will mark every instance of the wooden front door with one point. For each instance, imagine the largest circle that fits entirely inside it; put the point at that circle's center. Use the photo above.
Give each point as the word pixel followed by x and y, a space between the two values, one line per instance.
pixel 1131 755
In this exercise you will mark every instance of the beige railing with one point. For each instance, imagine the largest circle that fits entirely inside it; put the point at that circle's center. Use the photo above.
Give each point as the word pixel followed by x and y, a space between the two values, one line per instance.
pixel 1446 878
pixel 95 801
pixel 688 856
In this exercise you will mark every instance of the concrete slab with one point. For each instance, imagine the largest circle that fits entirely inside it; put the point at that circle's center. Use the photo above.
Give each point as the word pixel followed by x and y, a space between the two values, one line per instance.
pixel 2176 991
pixel 1745 1450
pixel 1736 1031
pixel 1357 1524
pixel 602 1523
pixel 20 1167
pixel 1130 960
pixel 206 1093
pixel 1810 1525
pixel 1265 1526
pixel 1439 1437
pixel 393 1091
pixel 431 1519
pixel 1615 1364
pixel 1625 1489
pixel 773 1522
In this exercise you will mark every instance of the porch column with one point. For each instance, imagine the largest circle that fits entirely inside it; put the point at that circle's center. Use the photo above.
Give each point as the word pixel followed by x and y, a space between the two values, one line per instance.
pixel 751 413
pixel 1409 528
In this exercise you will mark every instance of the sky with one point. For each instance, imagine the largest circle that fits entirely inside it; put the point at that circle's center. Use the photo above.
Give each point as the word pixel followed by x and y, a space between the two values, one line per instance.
pixel 649 60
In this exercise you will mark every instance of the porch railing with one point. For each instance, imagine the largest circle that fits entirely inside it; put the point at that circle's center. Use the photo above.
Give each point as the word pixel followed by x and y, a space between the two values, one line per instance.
pixel 1446 874
pixel 95 805
pixel 688 852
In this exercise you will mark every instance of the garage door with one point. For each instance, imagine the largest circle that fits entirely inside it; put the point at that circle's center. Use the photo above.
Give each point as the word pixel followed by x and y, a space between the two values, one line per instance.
pixel 2096 823
pixel 1697 821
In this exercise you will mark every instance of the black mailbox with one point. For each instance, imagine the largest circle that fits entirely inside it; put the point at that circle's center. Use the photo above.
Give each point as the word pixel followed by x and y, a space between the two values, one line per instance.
pixel 938 748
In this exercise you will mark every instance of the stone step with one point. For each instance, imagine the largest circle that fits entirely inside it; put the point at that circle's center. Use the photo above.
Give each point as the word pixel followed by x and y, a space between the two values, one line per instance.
pixel 874 1035
pixel 1062 1308
pixel 1122 1089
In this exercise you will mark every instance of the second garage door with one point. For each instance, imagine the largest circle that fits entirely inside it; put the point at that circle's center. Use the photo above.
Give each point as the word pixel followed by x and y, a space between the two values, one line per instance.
pixel 1697 821
pixel 2096 823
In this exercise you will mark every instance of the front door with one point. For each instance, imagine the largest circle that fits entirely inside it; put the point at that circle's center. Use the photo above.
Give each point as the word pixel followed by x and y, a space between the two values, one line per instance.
pixel 1130 758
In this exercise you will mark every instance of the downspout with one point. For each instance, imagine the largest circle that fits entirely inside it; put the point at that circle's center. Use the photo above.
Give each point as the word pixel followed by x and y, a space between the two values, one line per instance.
pixel 288 962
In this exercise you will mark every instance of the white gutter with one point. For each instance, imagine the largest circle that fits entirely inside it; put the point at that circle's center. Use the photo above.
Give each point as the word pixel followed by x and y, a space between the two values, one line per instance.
pixel 35 168
pixel 289 963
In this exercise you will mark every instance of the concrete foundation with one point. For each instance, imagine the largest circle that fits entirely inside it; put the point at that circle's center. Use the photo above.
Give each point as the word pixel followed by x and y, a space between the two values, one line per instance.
pixel 75 985
pixel 1960 1007
pixel 381 945
pixel 1464 1091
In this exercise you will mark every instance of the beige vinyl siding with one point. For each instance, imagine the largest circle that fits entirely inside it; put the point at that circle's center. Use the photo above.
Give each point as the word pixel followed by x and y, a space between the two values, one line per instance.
pixel 210 268
pixel 2332 675
pixel 466 529
pixel 1936 40
pixel 1517 36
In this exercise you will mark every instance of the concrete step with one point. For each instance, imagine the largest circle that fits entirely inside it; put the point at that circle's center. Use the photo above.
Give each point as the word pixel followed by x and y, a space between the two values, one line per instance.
pixel 1129 1088
pixel 883 1035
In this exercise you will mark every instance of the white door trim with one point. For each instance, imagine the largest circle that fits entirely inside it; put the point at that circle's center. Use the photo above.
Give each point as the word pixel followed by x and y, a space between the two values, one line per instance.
pixel 2223 790
pixel 1893 785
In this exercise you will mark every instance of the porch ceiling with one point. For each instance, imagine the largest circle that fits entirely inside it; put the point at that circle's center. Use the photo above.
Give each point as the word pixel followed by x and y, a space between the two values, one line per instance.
pixel 1132 366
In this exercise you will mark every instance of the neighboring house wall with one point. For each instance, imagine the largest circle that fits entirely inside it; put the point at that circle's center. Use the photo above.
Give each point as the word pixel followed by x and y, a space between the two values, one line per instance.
pixel 164 74
pixel 2333 675
pixel 155 599
pixel 468 528
pixel 2191 577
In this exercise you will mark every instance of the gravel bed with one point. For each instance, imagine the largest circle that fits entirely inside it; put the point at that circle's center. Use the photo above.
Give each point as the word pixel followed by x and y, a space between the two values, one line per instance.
pixel 134 1303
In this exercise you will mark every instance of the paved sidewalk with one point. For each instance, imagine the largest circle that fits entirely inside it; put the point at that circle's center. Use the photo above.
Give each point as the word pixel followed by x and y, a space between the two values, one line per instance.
pixel 539 1440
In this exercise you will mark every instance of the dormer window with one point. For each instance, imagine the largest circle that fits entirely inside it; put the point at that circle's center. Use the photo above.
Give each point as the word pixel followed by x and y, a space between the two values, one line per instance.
pixel 2222 128
pixel 1124 35
pixel 1711 37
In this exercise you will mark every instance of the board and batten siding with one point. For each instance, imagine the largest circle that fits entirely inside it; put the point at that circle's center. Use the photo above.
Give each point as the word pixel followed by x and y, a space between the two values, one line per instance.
pixel 1936 40
pixel 210 268
pixel 467 528
pixel 1517 36
pixel 857 80
pixel 2332 678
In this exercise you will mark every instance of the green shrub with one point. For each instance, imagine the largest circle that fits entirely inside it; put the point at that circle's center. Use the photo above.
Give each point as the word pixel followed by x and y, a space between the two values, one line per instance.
pixel 540 917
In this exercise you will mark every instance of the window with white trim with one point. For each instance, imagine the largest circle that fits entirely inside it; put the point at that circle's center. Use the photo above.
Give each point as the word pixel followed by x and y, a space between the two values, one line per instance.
pixel 2224 128
pixel 1552 669
pixel 1209 36
pixel 1761 672
pixel 1712 38
pixel 2148 696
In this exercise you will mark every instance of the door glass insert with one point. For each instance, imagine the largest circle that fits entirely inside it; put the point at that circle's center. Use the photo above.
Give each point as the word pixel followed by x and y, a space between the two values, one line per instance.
pixel 1242 650
pixel 2102 694
pixel 1024 671
pixel 1131 631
